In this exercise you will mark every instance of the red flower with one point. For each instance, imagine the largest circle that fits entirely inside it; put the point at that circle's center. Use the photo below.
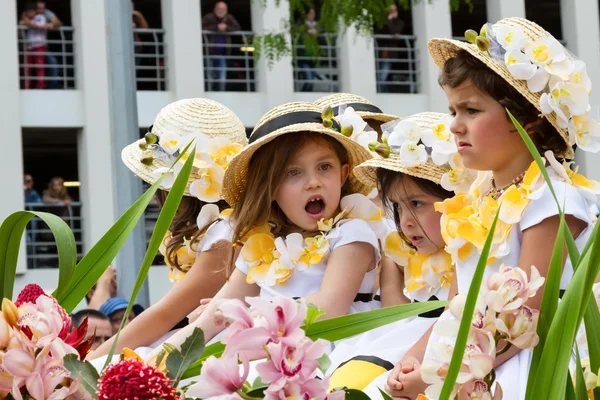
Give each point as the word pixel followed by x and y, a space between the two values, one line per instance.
pixel 131 379
pixel 29 294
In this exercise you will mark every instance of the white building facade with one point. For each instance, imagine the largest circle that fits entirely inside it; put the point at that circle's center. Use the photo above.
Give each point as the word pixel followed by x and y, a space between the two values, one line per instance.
pixel 85 108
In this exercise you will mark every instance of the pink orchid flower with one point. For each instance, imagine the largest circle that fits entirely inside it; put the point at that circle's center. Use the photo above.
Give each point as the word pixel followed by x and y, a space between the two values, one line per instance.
pixel 509 289
pixel 5 332
pixel 435 368
pixel 480 353
pixel 478 390
pixel 219 377
pixel 242 335
pixel 283 318
pixel 519 327
pixel 313 389
pixel 289 363
pixel 42 318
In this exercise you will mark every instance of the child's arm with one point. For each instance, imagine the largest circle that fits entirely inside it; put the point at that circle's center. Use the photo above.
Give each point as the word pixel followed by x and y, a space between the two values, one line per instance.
pixel 235 288
pixel 206 276
pixel 346 268
pixel 405 379
pixel 391 283
pixel 536 249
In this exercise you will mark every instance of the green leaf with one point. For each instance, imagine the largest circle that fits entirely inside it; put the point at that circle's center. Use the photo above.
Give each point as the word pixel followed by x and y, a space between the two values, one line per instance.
pixel 101 255
pixel 467 318
pixel 592 332
pixel 354 394
pixel 324 363
pixel 313 313
pixel 215 349
pixel 257 392
pixel 161 355
pixel 385 395
pixel 11 232
pixel 160 229
pixel 169 348
pixel 570 390
pixel 580 389
pixel 191 350
pixel 552 373
pixel 337 328
pixel 257 383
pixel 89 375
pixel 549 303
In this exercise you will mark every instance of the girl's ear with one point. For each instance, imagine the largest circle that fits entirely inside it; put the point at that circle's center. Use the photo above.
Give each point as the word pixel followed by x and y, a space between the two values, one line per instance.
pixel 345 173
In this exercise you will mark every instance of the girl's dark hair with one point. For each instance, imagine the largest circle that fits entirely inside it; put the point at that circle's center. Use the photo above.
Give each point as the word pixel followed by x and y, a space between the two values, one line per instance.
pixel 463 67
pixel 386 180
pixel 184 225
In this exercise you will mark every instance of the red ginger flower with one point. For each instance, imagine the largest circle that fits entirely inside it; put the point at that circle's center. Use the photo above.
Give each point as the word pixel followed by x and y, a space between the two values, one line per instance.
pixel 30 294
pixel 132 379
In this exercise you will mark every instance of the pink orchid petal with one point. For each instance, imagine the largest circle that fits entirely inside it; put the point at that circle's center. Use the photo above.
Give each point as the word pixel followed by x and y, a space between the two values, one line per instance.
pixel 18 362
pixel 480 365
pixel 246 340
pixel 35 386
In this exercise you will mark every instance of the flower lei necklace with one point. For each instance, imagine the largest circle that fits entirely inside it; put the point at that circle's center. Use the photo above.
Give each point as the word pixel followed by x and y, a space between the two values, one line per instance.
pixel 497 192
pixel 424 274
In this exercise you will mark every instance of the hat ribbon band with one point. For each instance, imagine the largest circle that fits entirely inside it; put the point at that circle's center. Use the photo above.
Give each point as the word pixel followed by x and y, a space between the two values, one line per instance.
pixel 293 118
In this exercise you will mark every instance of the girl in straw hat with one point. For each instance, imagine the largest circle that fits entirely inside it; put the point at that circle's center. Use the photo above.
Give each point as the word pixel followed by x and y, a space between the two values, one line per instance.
pixel 512 64
pixel 198 247
pixel 409 183
pixel 296 175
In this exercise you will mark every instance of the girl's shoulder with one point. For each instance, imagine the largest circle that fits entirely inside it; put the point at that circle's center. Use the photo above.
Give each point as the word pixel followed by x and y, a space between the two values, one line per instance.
pixel 349 231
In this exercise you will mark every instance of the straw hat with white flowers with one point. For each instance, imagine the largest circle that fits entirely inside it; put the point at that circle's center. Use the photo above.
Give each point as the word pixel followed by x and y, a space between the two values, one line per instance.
pixel 288 119
pixel 421 146
pixel 218 135
pixel 363 107
pixel 540 68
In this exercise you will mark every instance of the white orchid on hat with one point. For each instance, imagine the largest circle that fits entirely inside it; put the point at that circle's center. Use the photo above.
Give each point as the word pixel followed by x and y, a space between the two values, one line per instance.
pixel 354 126
pixel 547 68
pixel 211 158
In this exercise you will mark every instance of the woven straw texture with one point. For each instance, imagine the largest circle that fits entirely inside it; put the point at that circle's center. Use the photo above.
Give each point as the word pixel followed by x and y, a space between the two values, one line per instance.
pixel 234 183
pixel 367 171
pixel 182 118
pixel 443 49
pixel 337 99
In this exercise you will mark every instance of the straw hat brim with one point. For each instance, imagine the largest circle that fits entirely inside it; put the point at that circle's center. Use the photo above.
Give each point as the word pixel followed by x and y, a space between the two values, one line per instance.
pixel 377 116
pixel 367 171
pixel 234 183
pixel 442 49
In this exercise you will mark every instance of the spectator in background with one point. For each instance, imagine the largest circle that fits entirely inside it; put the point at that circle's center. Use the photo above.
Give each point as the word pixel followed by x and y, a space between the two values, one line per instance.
pixel 98 324
pixel 219 45
pixel 56 192
pixel 31 195
pixel 305 53
pixel 394 27
pixel 139 22
pixel 35 43
pixel 115 309
pixel 51 61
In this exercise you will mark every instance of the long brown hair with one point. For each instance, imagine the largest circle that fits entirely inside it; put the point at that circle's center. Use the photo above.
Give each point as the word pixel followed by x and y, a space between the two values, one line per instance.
pixel 63 194
pixel 463 67
pixel 265 173
pixel 184 226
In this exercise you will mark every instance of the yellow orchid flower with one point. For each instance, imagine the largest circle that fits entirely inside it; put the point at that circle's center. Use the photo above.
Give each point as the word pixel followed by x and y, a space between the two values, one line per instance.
pixel 208 187
pixel 221 150
pixel 397 248
pixel 515 199
pixel 258 252
pixel 315 250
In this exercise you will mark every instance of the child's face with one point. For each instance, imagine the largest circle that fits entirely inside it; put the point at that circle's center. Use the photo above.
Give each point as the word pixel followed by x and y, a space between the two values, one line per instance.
pixel 485 137
pixel 30 13
pixel 419 222
pixel 312 185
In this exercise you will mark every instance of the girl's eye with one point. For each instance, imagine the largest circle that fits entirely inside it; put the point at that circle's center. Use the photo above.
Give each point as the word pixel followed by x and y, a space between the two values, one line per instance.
pixel 472 111
pixel 453 113
pixel 324 167
pixel 416 203
pixel 293 172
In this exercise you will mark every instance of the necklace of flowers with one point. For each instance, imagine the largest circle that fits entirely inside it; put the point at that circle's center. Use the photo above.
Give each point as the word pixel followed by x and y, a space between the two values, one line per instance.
pixel 425 273
pixel 416 146
pixel 547 68
pixel 212 157
pixel 467 217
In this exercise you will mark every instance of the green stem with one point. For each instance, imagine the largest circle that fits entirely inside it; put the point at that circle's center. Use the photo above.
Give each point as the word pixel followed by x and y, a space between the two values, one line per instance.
pixel 245 396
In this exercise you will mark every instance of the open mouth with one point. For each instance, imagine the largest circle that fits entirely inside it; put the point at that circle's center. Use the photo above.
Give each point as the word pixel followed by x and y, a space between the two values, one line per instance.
pixel 416 240
pixel 315 206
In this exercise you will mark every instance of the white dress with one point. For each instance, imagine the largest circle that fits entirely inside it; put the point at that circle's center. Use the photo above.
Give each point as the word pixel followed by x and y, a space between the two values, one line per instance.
pixel 219 231
pixel 304 282
pixel 512 375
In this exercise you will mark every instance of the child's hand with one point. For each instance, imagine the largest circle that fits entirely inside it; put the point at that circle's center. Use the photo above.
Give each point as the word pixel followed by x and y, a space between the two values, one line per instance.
pixel 198 311
pixel 405 380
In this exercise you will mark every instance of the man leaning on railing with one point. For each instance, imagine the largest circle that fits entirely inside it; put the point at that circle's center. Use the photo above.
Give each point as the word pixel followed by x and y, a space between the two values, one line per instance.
pixel 220 45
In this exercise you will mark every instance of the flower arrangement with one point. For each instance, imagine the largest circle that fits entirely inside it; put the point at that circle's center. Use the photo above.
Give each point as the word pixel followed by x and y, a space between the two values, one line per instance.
pixel 34 340
pixel 501 320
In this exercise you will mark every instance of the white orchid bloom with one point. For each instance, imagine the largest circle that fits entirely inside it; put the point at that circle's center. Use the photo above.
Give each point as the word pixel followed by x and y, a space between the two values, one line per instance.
pixel 170 175
pixel 169 141
pixel 580 76
pixel 459 178
pixel 412 154
pixel 208 187
pixel 441 141
pixel 351 119
pixel 551 58
pixel 404 131
pixel 519 65
pixel 208 214
pixel 366 137
pixel 566 100
pixel 510 37
pixel 585 132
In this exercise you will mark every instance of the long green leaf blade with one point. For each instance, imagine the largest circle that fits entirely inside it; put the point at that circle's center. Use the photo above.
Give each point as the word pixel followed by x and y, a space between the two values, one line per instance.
pixel 349 325
pixel 467 318
pixel 11 232
pixel 215 349
pixel 160 229
pixel 580 389
pixel 592 332
pixel 549 304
